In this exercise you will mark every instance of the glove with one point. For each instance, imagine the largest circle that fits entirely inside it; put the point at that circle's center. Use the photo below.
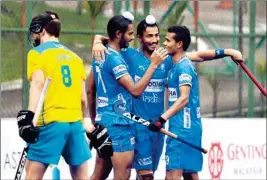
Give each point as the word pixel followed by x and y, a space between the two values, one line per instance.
pixel 27 131
pixel 101 141
pixel 156 126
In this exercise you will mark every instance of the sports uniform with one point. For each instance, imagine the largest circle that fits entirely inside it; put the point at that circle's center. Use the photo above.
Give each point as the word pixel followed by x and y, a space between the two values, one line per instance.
pixel 110 92
pixel 149 105
pixel 60 121
pixel 187 122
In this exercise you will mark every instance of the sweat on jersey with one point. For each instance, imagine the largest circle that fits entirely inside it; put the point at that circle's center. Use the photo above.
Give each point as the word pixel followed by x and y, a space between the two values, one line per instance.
pixel 109 90
pixel 150 104
pixel 188 120
pixel 63 98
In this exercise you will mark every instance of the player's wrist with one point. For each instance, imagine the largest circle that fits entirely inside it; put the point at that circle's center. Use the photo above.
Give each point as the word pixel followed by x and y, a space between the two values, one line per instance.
pixel 220 53
pixel 162 120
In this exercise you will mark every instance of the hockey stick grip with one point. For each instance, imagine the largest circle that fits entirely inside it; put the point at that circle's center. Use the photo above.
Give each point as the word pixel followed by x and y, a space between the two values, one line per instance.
pixel 168 133
pixel 252 77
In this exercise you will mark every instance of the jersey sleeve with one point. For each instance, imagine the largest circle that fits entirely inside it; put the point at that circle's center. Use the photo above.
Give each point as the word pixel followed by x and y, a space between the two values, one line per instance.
pixel 34 63
pixel 117 67
pixel 185 75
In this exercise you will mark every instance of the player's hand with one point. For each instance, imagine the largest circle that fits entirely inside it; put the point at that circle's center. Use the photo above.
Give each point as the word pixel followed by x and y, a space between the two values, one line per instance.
pixel 98 51
pixel 101 141
pixel 157 125
pixel 235 55
pixel 158 56
pixel 27 131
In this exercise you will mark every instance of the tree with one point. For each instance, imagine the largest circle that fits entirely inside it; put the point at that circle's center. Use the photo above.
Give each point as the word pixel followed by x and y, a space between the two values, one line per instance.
pixel 95 8
pixel 177 17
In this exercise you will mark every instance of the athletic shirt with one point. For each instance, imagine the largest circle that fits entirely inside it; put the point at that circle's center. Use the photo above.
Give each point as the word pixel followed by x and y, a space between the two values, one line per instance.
pixel 150 104
pixel 109 90
pixel 187 120
pixel 63 99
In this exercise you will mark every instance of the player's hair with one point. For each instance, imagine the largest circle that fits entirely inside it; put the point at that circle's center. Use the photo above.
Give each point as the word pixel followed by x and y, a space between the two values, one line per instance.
pixel 50 22
pixel 182 33
pixel 141 27
pixel 117 23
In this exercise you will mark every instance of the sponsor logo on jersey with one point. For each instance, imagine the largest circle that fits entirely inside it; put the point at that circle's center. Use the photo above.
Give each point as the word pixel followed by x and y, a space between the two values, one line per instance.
pixel 154 85
pixel 185 77
pixel 152 98
pixel 119 69
pixel 172 94
pixel 187 119
pixel 102 101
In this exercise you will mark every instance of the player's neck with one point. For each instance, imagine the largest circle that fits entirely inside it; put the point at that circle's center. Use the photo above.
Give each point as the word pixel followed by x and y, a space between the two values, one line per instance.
pixel 114 45
pixel 48 38
pixel 178 56
pixel 146 53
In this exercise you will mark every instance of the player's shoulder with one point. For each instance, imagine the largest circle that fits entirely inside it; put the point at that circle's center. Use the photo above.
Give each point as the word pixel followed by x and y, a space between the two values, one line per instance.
pixel 184 62
pixel 129 50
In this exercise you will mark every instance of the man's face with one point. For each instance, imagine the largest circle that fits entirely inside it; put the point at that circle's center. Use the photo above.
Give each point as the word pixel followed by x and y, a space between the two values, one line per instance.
pixel 127 37
pixel 150 39
pixel 35 39
pixel 170 44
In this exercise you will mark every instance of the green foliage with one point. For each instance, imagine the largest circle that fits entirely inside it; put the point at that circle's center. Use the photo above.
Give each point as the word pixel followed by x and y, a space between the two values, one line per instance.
pixel 261 67
pixel 95 7
pixel 176 17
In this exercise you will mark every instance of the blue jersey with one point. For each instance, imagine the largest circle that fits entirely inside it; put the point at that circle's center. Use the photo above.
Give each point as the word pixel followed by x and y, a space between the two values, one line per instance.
pixel 150 104
pixel 109 90
pixel 187 120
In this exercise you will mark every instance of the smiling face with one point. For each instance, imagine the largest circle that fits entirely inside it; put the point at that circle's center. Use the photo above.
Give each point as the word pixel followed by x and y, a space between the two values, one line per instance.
pixel 171 45
pixel 150 38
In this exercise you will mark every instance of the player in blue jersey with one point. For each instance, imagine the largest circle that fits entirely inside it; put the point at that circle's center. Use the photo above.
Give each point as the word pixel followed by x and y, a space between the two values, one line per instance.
pixel 184 108
pixel 112 83
pixel 150 104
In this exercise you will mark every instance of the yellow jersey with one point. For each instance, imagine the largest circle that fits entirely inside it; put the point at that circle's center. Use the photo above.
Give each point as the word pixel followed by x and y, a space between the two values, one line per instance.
pixel 63 98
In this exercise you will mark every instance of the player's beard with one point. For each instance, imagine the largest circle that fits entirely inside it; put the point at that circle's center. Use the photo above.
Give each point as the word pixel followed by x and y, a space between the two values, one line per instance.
pixel 146 47
pixel 123 43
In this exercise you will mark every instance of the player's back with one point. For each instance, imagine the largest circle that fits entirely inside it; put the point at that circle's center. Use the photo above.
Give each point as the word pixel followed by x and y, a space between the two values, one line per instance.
pixel 189 118
pixel 63 99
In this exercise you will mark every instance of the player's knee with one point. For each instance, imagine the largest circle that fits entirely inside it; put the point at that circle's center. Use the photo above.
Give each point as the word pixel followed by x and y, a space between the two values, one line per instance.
pixel 148 176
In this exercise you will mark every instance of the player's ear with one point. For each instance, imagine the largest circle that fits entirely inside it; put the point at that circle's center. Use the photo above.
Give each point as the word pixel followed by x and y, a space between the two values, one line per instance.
pixel 139 38
pixel 179 44
pixel 118 34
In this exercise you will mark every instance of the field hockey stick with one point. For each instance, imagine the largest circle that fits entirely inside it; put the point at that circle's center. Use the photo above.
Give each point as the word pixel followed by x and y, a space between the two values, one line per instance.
pixel 252 77
pixel 144 122
pixel 35 118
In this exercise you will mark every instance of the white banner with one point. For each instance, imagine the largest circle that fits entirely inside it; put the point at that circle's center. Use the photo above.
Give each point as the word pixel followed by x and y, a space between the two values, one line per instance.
pixel 237 150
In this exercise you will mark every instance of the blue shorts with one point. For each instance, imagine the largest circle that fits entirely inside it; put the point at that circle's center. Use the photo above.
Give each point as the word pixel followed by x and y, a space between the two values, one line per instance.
pixel 149 146
pixel 181 156
pixel 60 138
pixel 121 134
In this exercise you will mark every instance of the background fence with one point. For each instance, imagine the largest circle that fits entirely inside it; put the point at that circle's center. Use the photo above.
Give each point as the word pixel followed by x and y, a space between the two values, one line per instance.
pixel 225 91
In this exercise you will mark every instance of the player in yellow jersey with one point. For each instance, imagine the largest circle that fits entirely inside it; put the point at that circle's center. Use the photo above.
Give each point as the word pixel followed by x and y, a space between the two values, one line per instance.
pixel 59 128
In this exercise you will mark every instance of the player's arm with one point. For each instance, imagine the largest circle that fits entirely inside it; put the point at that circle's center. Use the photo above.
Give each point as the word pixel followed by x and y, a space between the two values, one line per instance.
pixel 208 55
pixel 84 98
pixel 91 96
pixel 35 74
pixel 179 104
pixel 137 89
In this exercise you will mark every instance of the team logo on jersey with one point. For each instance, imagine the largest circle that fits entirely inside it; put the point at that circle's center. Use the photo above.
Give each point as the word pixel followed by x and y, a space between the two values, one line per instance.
pixel 141 67
pixel 172 94
pixel 154 85
pixel 119 68
pixel 102 101
pixel 185 77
